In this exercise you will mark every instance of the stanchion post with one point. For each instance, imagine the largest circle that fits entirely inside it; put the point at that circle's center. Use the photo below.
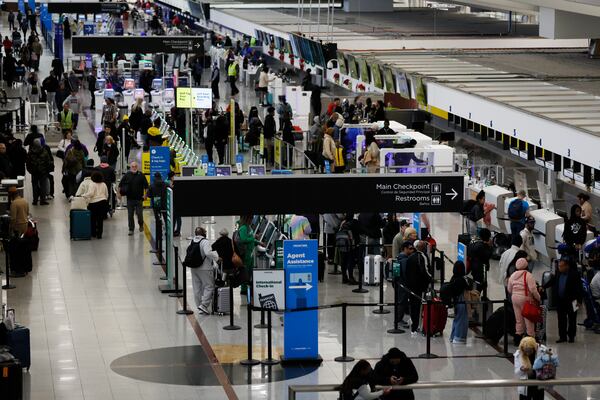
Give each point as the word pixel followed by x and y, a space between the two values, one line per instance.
pixel 231 326
pixel 344 357
pixel 249 361
pixel 442 268
pixel 177 292
pixel 504 353
pixel 396 329
pixel 360 288
pixel 269 360
pixel 381 310
pixel 262 324
pixel 184 310
pixel 428 353
pixel 7 268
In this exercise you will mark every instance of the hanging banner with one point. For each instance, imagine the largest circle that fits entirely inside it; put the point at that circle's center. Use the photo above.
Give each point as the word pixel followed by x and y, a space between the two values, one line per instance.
pixel 301 329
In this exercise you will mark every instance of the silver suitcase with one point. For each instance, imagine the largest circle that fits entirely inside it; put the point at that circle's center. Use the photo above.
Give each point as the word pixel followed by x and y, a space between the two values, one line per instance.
pixel 221 303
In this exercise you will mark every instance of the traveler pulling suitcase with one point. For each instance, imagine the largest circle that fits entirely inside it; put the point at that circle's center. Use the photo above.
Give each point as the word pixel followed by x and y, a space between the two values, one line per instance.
pixel 438 315
pixel 372 269
pixel 81 225
pixel 11 380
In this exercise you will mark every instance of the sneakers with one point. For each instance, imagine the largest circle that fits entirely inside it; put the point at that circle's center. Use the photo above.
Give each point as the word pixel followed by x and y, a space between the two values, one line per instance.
pixel 414 333
pixel 203 310
pixel 459 341
pixel 404 324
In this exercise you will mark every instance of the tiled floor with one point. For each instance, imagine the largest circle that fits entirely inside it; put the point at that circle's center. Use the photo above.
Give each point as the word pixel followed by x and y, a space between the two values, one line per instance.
pixel 89 303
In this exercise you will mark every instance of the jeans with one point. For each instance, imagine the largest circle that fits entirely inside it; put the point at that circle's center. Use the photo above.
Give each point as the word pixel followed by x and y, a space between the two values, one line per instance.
pixel 460 325
pixel 203 282
pixel 176 224
pixel 137 207
pixel 39 184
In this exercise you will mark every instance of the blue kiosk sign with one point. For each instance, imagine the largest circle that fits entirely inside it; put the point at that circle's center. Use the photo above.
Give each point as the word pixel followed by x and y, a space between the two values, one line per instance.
pixel 301 329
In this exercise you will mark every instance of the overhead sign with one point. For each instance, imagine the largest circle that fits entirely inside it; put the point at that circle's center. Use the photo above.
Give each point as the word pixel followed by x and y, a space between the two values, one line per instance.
pixel 87 7
pixel 268 289
pixel 301 329
pixel 137 44
pixel 193 97
pixel 160 161
pixel 353 193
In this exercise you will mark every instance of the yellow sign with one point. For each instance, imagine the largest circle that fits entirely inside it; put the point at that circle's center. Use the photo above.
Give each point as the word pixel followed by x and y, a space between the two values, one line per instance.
pixel 261 150
pixel 232 152
pixel 184 97
pixel 146 172
pixel 277 151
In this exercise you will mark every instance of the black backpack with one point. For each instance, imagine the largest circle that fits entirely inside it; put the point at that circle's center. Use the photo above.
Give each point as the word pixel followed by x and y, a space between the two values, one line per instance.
pixel 193 255
pixel 344 239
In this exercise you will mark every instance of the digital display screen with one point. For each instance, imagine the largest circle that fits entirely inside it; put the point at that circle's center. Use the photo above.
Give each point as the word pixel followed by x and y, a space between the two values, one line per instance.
pixel 342 63
pixel 353 67
pixel 364 70
pixel 261 227
pixel 256 170
pixel 223 170
pixel 390 82
pixel 268 235
pixel 377 78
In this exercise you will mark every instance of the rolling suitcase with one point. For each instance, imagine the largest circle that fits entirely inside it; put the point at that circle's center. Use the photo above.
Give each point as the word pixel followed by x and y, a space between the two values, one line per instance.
pixel 321 261
pixel 372 269
pixel 19 343
pixel 546 276
pixel 540 327
pixel 11 380
pixel 81 225
pixel 221 301
pixel 438 315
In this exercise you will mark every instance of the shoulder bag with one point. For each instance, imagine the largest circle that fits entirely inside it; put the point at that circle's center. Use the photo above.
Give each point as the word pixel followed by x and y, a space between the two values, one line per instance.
pixel 531 310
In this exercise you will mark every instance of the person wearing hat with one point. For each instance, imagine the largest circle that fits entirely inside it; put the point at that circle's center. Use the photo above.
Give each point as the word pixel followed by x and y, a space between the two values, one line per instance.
pixel 224 248
pixel 568 295
pixel 523 289
pixel 528 241
pixel 19 211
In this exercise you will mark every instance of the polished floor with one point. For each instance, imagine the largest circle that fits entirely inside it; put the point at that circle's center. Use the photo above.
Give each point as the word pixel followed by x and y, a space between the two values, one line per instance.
pixel 100 328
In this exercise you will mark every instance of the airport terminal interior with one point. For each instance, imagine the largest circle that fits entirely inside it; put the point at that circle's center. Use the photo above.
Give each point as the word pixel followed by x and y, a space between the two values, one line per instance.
pixel 258 199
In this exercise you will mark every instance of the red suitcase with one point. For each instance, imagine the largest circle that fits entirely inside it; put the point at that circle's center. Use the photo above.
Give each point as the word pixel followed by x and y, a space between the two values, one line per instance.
pixel 438 315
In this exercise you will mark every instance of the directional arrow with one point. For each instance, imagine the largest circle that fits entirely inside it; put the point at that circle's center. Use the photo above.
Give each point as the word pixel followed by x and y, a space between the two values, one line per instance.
pixel 453 194
pixel 197 45
pixel 307 286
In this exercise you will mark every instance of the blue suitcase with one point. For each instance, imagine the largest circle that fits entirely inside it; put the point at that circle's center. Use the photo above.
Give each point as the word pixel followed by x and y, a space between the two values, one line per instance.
pixel 19 343
pixel 81 225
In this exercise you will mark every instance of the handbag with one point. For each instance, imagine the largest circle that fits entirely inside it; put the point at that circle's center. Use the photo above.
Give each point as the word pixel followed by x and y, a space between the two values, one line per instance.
pixel 531 310
pixel 236 260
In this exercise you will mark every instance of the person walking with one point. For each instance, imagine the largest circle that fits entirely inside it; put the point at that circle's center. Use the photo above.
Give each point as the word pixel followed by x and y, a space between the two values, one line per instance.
pixel 66 118
pixel 50 86
pixel 72 165
pixel 232 75
pixel 522 287
pixel 39 166
pixel 575 231
pixel 568 296
pixel 200 259
pixel 96 196
pixel 74 102
pixel 133 186
pixel 11 21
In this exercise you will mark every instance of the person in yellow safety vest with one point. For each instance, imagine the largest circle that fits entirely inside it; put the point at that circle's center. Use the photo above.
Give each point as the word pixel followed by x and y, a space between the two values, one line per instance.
pixel 232 72
pixel 65 117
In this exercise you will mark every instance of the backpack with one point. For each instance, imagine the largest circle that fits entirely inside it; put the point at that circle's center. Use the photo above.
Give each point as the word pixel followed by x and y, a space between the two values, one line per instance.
pixel 545 365
pixel 238 246
pixel 447 293
pixel 193 255
pixel 468 207
pixel 516 210
pixel 344 239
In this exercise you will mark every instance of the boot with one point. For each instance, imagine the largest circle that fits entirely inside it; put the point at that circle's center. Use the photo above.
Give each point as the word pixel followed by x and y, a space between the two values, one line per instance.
pixel 517 339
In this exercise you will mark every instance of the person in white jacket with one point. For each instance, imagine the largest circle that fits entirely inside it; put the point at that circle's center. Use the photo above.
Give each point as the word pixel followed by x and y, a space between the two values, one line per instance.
pixel 507 257
pixel 203 274
pixel 524 358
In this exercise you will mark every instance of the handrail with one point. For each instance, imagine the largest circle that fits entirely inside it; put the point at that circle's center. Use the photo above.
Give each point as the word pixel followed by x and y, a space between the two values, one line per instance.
pixel 456 384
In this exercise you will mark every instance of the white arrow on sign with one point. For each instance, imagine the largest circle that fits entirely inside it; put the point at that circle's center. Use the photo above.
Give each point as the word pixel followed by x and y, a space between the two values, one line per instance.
pixel 453 194
pixel 197 45
pixel 307 286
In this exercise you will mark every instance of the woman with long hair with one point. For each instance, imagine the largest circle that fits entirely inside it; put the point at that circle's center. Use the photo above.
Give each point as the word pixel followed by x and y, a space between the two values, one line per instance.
pixel 524 357
pixel 357 386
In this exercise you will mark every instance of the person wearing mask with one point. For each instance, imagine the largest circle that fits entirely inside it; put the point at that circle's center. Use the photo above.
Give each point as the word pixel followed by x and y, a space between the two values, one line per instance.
pixel 518 210
pixel 74 103
pixel 245 246
pixel 507 257
pixel 523 289
pixel 357 384
pixel 524 358
pixel 480 251
pixel 568 295
pixel 5 166
pixel 459 284
pixel 200 258
pixel 300 227
pixel 72 165
pixel 224 248
pixel 215 76
pixel 395 368
pixel 575 232
pixel 39 166
pixel 96 196
pixel 331 224
pixel 17 156
pixel 587 211
pixel 19 211
pixel 66 118
pixel 370 157
pixel 528 242
pixel 134 185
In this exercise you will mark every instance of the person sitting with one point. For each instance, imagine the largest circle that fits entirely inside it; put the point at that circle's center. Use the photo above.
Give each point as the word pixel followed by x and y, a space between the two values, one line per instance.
pixel 395 368
pixel 357 385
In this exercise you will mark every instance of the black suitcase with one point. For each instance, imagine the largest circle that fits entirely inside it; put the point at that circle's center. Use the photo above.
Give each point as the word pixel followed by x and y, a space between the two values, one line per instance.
pixel 494 326
pixel 20 347
pixel 19 256
pixel 321 261
pixel 11 380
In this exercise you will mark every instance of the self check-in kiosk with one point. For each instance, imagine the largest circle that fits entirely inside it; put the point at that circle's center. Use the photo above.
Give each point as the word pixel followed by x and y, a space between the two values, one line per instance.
pixel 544 234
pixel 157 92
pixel 99 93
pixel 128 93
pixel 497 195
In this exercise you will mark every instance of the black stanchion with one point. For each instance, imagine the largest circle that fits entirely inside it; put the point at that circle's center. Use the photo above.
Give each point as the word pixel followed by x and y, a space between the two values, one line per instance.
pixel 177 292
pixel 269 360
pixel 361 277
pixel 505 353
pixel 249 361
pixel 8 285
pixel 442 268
pixel 262 324
pixel 159 252
pixel 344 357
pixel 231 326
pixel 381 310
pixel 396 329
pixel 428 353
pixel 184 310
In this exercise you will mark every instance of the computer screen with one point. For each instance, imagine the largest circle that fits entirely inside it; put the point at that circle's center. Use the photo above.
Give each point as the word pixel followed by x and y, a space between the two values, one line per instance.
pixel 268 234
pixel 256 170
pixel 223 170
pixel 261 227
pixel 255 222
pixel 342 63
